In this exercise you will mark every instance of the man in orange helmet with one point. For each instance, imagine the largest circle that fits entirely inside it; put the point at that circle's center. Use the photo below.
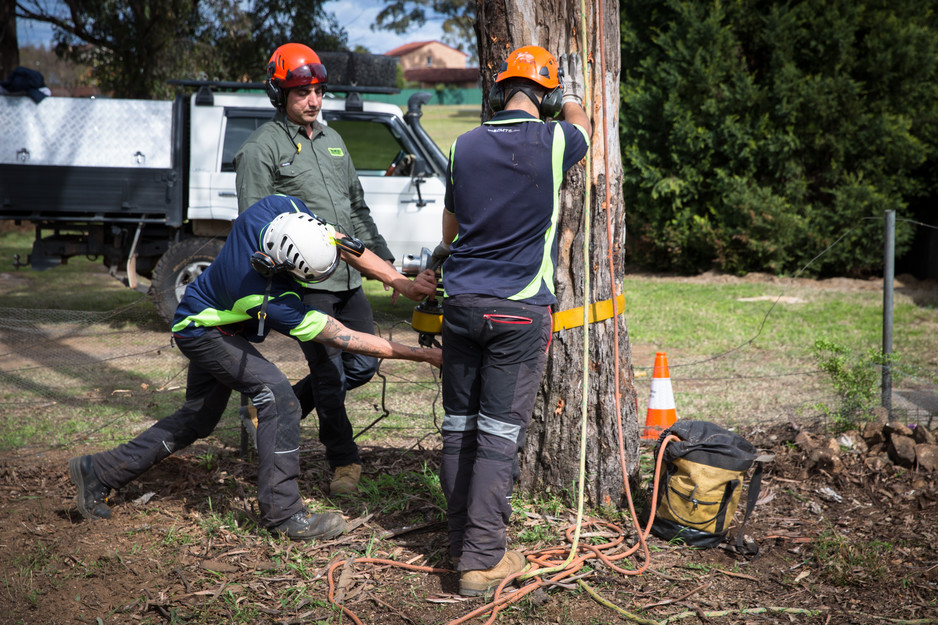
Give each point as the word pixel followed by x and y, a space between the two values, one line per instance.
pixel 501 201
pixel 293 154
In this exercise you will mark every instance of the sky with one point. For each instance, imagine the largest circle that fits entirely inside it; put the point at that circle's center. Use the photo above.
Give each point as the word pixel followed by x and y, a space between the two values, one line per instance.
pixel 356 16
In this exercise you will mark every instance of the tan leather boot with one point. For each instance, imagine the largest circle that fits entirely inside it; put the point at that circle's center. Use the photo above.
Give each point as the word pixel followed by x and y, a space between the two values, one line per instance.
pixel 475 583
pixel 345 480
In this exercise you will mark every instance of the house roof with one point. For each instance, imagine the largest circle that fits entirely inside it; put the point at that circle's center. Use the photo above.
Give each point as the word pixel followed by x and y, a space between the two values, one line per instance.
pixel 443 74
pixel 416 45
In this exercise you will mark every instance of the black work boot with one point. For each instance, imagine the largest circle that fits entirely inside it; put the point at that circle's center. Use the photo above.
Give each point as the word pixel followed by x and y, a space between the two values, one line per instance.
pixel 92 494
pixel 304 525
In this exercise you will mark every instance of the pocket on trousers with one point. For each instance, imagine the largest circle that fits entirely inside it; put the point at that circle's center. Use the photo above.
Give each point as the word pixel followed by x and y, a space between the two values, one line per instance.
pixel 507 319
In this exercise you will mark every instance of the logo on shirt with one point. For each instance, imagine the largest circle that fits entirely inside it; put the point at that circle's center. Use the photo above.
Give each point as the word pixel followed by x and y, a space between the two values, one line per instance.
pixel 336 152
pixel 502 129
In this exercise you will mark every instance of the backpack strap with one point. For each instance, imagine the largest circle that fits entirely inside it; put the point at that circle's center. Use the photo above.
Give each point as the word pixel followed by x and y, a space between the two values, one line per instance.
pixel 755 485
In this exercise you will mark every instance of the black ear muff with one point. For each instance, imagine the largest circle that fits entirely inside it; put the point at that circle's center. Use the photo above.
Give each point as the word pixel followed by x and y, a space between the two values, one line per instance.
pixel 552 102
pixel 263 264
pixel 497 98
pixel 275 93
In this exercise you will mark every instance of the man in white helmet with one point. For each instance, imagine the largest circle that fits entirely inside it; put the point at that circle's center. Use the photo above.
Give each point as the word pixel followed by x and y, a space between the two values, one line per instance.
pixel 251 288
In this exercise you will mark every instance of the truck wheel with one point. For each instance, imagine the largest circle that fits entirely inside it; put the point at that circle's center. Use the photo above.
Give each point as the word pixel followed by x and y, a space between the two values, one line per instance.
pixel 181 264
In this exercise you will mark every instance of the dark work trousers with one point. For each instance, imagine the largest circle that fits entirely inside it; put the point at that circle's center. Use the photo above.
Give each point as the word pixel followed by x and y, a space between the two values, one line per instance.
pixel 333 372
pixel 494 352
pixel 218 364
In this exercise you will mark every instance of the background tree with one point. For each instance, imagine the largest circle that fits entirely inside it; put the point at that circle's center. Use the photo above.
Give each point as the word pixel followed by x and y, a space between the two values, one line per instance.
pixel 550 460
pixel 755 134
pixel 135 46
pixel 58 73
pixel 9 46
pixel 458 16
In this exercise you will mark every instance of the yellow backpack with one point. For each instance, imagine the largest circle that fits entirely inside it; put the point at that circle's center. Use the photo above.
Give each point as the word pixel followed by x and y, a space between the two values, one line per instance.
pixel 703 479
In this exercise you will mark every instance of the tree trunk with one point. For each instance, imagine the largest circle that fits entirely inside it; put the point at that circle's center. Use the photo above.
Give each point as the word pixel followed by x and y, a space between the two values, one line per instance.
pixel 9 47
pixel 551 458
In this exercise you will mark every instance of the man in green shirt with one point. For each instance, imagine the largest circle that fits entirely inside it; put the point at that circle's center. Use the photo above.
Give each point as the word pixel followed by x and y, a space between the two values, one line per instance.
pixel 293 154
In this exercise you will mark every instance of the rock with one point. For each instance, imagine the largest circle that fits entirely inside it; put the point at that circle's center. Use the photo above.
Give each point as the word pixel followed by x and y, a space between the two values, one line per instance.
pixel 881 415
pixel 805 441
pixel 876 462
pixel 853 441
pixel 823 458
pixel 927 457
pixel 894 427
pixel 921 435
pixel 901 450
pixel 873 434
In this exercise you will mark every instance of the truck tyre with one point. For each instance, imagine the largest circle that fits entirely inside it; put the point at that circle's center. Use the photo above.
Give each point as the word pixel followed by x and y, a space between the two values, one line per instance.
pixel 181 264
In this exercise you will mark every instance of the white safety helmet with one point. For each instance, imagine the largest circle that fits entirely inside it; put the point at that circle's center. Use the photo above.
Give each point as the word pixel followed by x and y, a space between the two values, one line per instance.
pixel 303 245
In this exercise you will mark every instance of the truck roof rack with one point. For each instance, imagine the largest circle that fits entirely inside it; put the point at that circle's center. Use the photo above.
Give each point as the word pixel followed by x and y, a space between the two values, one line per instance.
pixel 206 88
pixel 221 85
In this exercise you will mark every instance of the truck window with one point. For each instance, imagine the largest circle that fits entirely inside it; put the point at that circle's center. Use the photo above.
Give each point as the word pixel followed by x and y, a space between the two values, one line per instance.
pixel 237 130
pixel 371 145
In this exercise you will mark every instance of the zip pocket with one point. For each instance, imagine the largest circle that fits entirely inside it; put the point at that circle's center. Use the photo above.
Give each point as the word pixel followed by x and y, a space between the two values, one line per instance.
pixel 507 319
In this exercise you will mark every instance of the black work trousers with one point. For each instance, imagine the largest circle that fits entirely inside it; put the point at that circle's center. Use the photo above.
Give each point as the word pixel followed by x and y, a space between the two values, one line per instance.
pixel 218 364
pixel 333 372
pixel 494 352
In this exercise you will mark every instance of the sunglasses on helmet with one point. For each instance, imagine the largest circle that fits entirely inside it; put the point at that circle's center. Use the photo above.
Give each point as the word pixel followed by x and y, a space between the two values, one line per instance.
pixel 304 75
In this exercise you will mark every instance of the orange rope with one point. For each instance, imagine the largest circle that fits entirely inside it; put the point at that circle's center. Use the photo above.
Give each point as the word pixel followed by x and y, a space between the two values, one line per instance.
pixel 537 560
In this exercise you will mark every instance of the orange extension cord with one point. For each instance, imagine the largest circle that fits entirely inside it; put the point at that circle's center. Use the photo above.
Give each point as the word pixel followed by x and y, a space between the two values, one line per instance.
pixel 543 559
pixel 561 556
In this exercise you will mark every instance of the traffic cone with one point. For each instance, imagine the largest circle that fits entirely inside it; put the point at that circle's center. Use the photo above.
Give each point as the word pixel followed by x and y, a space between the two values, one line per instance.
pixel 661 412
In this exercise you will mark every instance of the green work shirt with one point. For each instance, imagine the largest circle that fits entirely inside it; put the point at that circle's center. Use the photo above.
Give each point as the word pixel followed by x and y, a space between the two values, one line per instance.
pixel 278 157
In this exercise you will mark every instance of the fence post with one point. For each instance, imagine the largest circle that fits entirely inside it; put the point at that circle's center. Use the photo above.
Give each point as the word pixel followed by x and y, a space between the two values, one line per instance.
pixel 889 258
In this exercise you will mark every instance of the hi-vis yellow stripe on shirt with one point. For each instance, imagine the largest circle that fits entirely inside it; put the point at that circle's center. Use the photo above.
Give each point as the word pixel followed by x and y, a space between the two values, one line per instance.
pixel 598 311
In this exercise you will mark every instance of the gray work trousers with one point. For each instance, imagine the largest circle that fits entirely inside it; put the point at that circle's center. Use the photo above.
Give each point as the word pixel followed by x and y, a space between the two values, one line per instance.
pixel 494 352
pixel 332 372
pixel 218 364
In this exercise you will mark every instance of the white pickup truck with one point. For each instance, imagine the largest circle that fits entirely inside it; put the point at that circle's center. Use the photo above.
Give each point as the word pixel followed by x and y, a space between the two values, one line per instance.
pixel 149 186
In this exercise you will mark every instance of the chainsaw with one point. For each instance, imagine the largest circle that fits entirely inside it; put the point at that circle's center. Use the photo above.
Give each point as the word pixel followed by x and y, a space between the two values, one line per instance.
pixel 427 319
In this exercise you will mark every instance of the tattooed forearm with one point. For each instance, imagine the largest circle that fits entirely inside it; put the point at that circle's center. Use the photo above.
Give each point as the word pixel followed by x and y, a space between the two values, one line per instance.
pixel 337 335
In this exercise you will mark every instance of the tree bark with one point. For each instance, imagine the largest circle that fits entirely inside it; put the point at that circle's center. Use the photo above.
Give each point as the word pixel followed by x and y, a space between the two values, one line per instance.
pixel 551 458
pixel 9 46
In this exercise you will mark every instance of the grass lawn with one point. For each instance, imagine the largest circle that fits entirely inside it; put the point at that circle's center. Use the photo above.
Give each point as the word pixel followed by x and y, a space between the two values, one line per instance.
pixel 86 356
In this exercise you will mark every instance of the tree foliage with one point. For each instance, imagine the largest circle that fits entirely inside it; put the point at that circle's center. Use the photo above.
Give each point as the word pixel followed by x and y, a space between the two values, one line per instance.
pixel 135 46
pixel 755 134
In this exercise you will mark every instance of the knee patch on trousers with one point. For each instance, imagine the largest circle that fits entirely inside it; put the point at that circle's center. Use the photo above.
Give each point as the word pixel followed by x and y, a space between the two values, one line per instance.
pixel 280 403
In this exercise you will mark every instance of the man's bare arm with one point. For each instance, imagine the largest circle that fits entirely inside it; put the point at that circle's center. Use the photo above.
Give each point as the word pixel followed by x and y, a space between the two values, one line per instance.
pixel 346 339
pixel 373 266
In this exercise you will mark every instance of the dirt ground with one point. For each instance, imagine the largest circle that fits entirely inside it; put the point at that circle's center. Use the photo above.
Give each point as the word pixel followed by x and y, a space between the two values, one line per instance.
pixel 853 546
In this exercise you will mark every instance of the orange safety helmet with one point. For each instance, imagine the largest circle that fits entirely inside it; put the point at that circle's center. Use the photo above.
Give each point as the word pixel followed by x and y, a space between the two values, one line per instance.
pixel 292 65
pixel 536 64
pixel 531 62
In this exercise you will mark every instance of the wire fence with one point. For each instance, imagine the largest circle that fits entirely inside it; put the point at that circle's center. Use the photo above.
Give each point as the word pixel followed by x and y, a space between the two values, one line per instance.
pixel 104 373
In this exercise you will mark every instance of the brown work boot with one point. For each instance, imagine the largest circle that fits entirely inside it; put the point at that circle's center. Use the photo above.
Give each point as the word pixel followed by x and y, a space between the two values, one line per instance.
pixel 475 583
pixel 304 525
pixel 345 480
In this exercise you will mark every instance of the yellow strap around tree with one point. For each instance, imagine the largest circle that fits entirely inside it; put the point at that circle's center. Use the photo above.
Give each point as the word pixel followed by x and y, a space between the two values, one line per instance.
pixel 598 311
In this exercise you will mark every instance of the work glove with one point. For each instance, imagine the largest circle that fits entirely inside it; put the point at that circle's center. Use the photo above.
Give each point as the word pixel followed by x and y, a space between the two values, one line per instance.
pixel 440 253
pixel 573 88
